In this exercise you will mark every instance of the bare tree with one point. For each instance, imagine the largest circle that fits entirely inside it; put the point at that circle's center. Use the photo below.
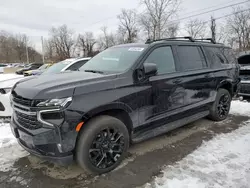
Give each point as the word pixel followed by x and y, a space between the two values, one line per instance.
pixel 196 28
pixel 172 30
pixel 107 39
pixel 128 25
pixel 62 41
pixel 49 51
pixel 20 42
pixel 86 42
pixel 157 15
pixel 239 28
pixel 13 48
pixel 6 47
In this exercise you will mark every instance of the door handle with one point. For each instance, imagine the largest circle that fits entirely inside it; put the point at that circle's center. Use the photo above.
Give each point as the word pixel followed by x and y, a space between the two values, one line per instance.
pixel 208 76
pixel 177 81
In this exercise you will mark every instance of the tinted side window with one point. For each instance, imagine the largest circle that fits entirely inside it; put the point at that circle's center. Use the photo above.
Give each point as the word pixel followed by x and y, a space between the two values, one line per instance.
pixel 191 58
pixel 216 56
pixel 163 58
pixel 77 65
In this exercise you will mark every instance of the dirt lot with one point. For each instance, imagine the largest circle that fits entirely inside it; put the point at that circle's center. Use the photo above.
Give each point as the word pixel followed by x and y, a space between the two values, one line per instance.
pixel 144 161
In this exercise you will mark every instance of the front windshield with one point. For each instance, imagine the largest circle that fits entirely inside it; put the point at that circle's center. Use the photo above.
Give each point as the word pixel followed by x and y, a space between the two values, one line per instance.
pixel 57 68
pixel 44 66
pixel 113 60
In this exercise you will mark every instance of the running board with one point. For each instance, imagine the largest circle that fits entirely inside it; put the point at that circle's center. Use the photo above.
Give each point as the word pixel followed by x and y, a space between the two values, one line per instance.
pixel 168 127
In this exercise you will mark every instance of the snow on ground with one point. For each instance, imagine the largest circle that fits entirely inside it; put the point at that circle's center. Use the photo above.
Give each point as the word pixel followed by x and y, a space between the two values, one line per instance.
pixel 10 151
pixel 221 162
pixel 240 108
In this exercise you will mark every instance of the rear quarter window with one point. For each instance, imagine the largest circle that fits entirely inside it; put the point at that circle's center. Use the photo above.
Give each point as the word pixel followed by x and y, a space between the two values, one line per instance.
pixel 230 55
pixel 216 56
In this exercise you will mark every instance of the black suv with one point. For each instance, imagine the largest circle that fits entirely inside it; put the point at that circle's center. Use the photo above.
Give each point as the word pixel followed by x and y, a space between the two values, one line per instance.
pixel 125 94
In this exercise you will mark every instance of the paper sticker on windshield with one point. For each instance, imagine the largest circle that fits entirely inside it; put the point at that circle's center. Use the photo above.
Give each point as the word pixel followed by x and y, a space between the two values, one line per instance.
pixel 136 49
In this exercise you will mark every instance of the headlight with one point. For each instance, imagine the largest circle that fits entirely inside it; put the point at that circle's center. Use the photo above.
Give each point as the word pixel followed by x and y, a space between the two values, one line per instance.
pixel 5 90
pixel 55 102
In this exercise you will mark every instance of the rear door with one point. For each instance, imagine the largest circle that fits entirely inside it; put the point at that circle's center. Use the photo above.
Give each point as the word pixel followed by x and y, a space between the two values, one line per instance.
pixel 197 79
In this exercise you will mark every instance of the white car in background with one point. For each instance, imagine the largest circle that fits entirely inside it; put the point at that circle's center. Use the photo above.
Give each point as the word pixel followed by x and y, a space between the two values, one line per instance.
pixel 72 64
pixel 2 67
pixel 7 81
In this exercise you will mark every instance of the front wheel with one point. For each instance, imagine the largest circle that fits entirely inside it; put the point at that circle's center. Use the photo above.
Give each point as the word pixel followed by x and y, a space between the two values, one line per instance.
pixel 221 106
pixel 102 144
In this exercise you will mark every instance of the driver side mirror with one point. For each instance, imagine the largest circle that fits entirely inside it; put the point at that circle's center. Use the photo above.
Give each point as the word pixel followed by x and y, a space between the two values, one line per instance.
pixel 150 69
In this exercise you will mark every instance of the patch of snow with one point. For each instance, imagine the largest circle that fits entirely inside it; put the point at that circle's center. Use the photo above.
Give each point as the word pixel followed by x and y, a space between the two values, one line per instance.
pixel 221 162
pixel 6 136
pixel 10 151
pixel 240 108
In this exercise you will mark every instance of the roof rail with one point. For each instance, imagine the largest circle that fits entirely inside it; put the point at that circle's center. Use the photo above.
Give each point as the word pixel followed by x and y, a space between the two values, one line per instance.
pixel 191 39
pixel 207 39
pixel 172 38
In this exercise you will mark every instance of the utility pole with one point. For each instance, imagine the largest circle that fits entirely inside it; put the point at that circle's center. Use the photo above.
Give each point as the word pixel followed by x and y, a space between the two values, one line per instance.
pixel 213 28
pixel 27 51
pixel 42 48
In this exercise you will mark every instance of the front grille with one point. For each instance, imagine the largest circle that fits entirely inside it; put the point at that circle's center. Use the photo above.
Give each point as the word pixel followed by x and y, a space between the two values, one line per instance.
pixel 245 88
pixel 28 121
pixel 22 101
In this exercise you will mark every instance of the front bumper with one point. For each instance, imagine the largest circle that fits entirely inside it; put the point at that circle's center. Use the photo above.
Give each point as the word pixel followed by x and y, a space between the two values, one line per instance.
pixel 244 88
pixel 51 143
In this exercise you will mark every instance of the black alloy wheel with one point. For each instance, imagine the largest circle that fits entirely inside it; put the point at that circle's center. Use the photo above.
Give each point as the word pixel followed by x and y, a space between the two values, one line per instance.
pixel 219 109
pixel 102 144
pixel 224 106
pixel 106 148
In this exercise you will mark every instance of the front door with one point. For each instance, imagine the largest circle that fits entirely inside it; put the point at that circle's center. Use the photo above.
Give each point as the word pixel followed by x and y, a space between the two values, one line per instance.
pixel 163 89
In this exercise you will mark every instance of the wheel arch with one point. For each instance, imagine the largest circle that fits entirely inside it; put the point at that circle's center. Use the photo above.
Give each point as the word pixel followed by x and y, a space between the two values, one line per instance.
pixel 120 111
pixel 226 84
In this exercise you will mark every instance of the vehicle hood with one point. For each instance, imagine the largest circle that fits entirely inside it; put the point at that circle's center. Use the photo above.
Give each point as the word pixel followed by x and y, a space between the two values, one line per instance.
pixel 10 82
pixel 57 85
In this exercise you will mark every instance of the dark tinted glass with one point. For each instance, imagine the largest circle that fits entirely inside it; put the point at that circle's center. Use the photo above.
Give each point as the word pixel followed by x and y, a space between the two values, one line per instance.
pixel 76 66
pixel 229 54
pixel 163 58
pixel 191 58
pixel 216 56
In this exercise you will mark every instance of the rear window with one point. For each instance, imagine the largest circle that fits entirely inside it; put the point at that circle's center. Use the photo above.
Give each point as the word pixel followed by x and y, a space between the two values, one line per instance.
pixel 229 54
pixel 191 58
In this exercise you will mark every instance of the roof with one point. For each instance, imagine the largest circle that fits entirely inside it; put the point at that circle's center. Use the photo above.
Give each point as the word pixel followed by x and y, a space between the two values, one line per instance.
pixel 131 45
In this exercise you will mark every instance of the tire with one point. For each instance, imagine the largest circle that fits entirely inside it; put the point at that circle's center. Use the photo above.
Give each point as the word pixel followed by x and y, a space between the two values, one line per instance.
pixel 221 106
pixel 97 140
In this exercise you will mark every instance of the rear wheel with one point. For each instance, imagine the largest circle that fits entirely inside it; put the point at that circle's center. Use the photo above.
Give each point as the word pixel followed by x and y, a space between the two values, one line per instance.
pixel 221 106
pixel 102 144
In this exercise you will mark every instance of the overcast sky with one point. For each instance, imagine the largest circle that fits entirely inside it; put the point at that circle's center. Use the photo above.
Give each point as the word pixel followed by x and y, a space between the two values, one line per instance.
pixel 35 17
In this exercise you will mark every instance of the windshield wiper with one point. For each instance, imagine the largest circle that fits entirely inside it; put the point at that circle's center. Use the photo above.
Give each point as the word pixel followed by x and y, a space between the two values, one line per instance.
pixel 94 71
